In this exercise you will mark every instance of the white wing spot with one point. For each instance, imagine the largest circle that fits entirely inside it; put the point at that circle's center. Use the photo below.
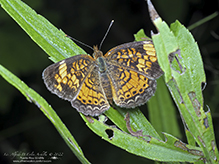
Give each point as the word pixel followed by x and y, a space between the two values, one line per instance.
pixel 62 62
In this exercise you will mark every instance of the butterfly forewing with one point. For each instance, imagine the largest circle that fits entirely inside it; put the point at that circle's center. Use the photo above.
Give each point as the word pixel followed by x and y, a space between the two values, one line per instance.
pixel 137 56
pixel 66 77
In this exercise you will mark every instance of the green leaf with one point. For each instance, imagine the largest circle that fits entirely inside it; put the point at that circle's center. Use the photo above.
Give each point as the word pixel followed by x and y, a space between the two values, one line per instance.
pixel 47 110
pixel 140 36
pixel 137 119
pixel 152 148
pixel 53 41
pixel 160 113
pixel 202 21
pixel 185 85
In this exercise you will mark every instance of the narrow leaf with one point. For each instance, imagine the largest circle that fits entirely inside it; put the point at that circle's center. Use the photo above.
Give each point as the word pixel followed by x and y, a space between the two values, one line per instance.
pixel 49 38
pixel 151 148
pixel 32 96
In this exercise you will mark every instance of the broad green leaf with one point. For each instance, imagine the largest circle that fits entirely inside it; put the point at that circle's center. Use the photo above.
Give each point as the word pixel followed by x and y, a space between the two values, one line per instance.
pixel 162 112
pixel 47 110
pixel 185 84
pixel 151 148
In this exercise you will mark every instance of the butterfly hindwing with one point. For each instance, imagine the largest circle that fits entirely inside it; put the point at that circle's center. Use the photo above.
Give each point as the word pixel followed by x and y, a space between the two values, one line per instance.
pixel 130 89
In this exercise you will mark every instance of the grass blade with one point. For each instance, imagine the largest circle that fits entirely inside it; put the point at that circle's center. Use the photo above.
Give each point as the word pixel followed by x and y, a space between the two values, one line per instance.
pixel 32 96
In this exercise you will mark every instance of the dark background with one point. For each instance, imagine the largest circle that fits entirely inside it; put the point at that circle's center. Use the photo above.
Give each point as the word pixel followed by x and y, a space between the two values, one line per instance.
pixel 24 128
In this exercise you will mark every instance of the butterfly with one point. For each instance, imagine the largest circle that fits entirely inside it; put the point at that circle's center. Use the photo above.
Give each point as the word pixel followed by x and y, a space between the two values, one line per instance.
pixel 125 75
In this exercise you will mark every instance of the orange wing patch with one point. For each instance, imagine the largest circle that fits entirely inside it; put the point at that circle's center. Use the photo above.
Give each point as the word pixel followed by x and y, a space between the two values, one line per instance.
pixel 91 99
pixel 65 77
pixel 131 89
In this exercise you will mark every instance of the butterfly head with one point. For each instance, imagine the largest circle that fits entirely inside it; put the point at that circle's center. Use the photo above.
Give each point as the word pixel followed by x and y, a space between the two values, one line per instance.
pixel 97 53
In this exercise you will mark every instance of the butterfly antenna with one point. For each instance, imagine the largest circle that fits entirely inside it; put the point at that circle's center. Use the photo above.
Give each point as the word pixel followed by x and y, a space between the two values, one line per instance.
pixel 79 42
pixel 106 34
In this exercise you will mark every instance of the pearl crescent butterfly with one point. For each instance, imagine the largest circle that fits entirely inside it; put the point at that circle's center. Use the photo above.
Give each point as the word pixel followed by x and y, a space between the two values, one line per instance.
pixel 126 74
